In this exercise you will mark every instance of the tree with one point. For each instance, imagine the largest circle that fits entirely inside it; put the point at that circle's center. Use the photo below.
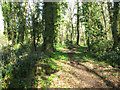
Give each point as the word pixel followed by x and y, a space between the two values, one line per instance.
pixel 85 20
pixel 49 19
pixel 78 33
pixel 21 22
pixel 94 28
pixel 113 20
pixel 35 24
pixel 6 11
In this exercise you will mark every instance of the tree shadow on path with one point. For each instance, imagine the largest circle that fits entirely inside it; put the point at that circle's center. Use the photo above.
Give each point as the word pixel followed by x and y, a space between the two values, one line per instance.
pixel 74 63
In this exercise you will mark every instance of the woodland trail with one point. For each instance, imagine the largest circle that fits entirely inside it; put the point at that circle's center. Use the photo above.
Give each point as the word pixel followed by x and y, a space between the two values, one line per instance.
pixel 74 74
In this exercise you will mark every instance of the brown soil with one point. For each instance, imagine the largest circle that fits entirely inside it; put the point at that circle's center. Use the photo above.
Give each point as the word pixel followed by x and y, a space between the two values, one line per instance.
pixel 84 74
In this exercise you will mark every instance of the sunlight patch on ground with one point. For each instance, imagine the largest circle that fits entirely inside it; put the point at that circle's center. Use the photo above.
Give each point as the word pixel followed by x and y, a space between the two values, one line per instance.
pixel 78 75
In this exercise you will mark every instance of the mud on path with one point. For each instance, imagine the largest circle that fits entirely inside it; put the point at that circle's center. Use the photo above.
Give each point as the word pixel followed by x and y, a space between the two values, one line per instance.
pixel 74 74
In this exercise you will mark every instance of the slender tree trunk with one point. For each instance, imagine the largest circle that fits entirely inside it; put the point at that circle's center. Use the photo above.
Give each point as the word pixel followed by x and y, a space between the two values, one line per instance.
pixel 113 20
pixel 78 23
pixel 34 32
pixel 23 27
pixel 119 28
pixel 114 24
pixel 62 34
pixel 72 34
pixel 8 29
pixel 11 23
pixel 34 38
pixel 104 19
pixel 85 10
pixel 14 29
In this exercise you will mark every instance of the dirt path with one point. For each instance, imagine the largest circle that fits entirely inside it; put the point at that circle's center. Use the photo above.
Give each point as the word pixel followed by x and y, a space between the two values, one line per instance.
pixel 83 74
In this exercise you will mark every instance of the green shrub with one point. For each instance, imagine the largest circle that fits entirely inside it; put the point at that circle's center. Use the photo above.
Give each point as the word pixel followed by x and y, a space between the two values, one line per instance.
pixel 113 58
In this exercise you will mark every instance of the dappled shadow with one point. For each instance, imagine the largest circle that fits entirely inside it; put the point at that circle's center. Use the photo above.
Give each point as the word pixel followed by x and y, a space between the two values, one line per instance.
pixel 77 48
pixel 77 62
pixel 91 54
pixel 25 66
pixel 108 83
pixel 20 67
pixel 45 68
pixel 22 73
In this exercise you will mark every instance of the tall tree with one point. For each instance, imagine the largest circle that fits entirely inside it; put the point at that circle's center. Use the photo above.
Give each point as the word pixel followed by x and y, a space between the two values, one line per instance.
pixel 50 19
pixel 113 20
pixel 104 18
pixel 78 33
pixel 36 24
pixel 86 19
pixel 6 11
pixel 1 19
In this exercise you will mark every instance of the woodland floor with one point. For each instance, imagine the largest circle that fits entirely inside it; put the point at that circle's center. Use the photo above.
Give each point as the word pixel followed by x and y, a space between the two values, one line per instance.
pixel 85 74
pixel 68 67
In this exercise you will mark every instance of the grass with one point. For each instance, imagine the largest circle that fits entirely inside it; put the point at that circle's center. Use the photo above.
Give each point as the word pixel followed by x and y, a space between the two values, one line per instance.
pixel 25 69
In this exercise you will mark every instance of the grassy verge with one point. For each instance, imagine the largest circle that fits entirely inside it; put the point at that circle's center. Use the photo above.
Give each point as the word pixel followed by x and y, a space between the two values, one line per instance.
pixel 25 69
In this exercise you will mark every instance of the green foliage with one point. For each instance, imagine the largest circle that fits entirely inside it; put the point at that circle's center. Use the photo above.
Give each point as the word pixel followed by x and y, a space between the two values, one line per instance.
pixel 25 67
pixel 60 45
pixel 19 64
pixel 113 58
pixel 95 34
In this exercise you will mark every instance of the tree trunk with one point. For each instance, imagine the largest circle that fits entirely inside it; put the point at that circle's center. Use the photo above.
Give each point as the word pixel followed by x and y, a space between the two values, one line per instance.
pixel 49 16
pixel 119 27
pixel 34 38
pixel 104 19
pixel 114 23
pixel 72 34
pixel 34 31
pixel 78 23
pixel 113 20
pixel 85 10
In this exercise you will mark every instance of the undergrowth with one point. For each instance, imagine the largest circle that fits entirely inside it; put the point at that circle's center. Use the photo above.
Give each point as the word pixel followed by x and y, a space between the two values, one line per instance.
pixel 24 69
